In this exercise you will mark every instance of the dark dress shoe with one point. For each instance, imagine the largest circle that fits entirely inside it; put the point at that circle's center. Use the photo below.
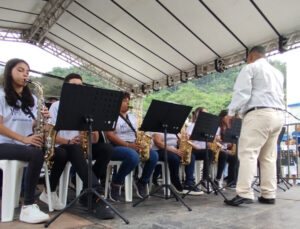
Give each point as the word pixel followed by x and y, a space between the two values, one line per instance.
pixel 266 200
pixel 236 201
pixel 102 211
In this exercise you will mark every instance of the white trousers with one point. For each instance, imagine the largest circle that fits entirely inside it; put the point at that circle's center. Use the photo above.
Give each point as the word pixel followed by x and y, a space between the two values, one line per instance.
pixel 258 140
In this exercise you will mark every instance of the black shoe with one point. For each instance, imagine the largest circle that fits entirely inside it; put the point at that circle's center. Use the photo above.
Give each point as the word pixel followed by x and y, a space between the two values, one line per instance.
pixel 102 211
pixel 192 190
pixel 231 186
pixel 266 200
pixel 236 201
pixel 115 192
pixel 140 189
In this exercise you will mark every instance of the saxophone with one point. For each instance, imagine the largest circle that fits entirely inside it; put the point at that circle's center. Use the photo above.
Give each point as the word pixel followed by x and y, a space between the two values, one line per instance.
pixel 186 147
pixel 215 147
pixel 84 142
pixel 43 128
pixel 144 140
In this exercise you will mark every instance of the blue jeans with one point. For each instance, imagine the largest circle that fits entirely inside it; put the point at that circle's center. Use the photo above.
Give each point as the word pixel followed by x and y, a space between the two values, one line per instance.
pixel 130 159
pixel 174 163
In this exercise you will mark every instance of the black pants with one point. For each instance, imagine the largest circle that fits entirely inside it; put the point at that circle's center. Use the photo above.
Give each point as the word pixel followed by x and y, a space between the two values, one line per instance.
pixel 35 159
pixel 102 153
pixel 74 154
pixel 232 166
pixel 200 155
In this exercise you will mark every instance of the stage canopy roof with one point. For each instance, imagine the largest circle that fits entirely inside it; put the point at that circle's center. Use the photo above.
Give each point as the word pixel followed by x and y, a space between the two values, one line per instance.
pixel 145 45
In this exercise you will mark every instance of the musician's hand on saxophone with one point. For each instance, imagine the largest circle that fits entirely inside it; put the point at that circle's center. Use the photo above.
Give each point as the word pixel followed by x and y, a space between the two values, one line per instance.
pixel 35 139
pixel 134 145
pixel 179 152
pixel 75 140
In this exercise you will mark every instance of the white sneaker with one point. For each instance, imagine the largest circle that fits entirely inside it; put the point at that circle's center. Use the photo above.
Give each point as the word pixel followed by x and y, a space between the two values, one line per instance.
pixel 33 214
pixel 56 204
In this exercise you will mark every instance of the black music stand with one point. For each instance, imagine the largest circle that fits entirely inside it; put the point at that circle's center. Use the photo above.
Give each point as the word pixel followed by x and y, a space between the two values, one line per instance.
pixel 165 117
pixel 280 179
pixel 88 108
pixel 232 135
pixel 205 130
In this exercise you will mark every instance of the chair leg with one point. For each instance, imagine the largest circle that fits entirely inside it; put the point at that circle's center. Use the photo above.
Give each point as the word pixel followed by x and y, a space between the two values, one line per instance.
pixel 64 183
pixel 48 187
pixel 8 200
pixel 128 187
pixel 18 168
pixel 79 185
pixel 108 172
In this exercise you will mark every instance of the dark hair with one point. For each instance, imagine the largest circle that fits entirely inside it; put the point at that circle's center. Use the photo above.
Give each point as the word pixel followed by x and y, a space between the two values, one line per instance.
pixel 72 76
pixel 126 95
pixel 258 49
pixel 223 113
pixel 196 112
pixel 11 95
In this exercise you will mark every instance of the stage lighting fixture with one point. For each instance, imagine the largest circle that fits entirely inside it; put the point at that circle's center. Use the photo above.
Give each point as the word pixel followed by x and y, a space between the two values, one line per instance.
pixel 170 81
pixel 183 77
pixel 220 65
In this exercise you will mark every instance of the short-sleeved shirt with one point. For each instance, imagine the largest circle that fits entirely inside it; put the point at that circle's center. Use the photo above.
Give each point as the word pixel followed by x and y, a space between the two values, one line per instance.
pixel 124 131
pixel 198 144
pixel 171 141
pixel 66 134
pixel 15 119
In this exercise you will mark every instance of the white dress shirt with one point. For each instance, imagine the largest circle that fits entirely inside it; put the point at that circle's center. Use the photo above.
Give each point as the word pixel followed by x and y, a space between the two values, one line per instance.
pixel 259 84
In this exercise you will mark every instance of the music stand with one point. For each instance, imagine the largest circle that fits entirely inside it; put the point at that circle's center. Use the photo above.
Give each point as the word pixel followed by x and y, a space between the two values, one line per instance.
pixel 280 179
pixel 165 117
pixel 88 108
pixel 205 130
pixel 232 135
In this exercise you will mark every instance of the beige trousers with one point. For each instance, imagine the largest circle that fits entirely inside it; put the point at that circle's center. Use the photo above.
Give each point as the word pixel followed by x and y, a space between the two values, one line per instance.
pixel 258 140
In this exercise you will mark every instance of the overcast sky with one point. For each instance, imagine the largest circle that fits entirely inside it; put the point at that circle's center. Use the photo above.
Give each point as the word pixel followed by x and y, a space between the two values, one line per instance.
pixel 43 61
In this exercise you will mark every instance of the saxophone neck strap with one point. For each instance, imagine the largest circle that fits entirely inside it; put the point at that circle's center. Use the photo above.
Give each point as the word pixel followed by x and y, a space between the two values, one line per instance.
pixel 127 120
pixel 28 111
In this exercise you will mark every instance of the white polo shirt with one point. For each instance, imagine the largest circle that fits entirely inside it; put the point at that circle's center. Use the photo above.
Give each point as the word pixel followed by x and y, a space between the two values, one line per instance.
pixel 123 130
pixel 15 119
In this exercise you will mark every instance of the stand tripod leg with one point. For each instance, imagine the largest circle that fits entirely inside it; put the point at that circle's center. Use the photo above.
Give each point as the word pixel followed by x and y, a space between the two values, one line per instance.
pixel 74 201
pixel 63 210
pixel 111 207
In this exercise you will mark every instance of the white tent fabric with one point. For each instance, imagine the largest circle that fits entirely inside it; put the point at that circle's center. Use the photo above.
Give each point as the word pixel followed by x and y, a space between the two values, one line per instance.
pixel 142 45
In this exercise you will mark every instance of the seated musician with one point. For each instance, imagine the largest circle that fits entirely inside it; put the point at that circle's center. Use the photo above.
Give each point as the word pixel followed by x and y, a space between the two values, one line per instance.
pixel 199 147
pixel 69 149
pixel 126 150
pixel 17 141
pixel 226 155
pixel 174 157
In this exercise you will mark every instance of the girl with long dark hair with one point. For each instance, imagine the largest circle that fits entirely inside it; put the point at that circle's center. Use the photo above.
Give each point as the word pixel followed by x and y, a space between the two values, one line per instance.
pixel 17 141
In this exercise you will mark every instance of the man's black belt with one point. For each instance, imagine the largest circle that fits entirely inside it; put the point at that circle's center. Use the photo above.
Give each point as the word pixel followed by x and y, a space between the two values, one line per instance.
pixel 257 108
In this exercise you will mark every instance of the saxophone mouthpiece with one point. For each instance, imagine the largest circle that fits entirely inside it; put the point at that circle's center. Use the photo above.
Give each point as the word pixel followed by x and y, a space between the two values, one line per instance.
pixel 28 81
pixel 130 107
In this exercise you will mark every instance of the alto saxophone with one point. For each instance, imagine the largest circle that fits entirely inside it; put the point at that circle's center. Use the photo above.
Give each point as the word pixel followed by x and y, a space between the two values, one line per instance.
pixel 144 140
pixel 84 142
pixel 42 127
pixel 186 147
pixel 216 148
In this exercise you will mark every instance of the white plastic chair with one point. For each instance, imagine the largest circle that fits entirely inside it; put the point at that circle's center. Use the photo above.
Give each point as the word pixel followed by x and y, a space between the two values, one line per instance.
pixel 11 187
pixel 64 183
pixel 128 180
pixel 163 177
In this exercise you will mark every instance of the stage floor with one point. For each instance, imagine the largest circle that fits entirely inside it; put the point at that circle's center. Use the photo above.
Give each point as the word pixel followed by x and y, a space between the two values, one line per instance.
pixel 208 211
